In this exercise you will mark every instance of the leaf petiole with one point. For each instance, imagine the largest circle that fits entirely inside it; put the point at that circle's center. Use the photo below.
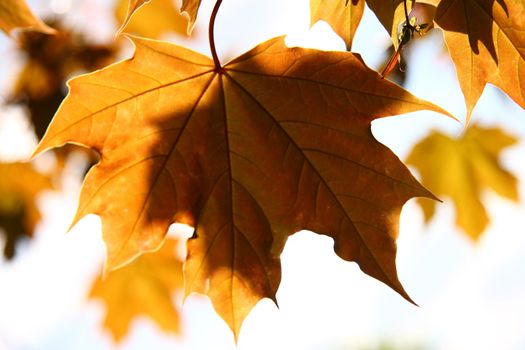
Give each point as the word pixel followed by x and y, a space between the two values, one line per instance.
pixel 408 28
pixel 218 67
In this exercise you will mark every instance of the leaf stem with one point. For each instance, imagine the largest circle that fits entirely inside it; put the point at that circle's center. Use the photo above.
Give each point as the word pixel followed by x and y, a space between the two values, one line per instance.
pixel 218 67
pixel 406 11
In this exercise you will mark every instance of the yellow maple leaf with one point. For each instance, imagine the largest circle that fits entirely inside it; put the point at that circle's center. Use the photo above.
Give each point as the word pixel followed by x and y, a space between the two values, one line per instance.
pixel 143 288
pixel 461 169
pixel 15 14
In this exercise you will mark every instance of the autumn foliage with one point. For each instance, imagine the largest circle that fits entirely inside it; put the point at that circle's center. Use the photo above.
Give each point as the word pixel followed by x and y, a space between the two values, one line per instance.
pixel 250 151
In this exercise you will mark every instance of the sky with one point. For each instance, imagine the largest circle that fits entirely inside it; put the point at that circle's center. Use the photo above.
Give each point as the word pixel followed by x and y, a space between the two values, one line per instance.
pixel 470 296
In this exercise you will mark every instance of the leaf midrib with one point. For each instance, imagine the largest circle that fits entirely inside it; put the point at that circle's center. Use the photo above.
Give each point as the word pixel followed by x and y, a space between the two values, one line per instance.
pixel 261 106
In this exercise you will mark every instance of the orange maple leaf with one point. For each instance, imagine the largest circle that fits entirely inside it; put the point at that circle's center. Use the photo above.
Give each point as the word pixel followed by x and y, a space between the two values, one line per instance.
pixel 274 142
pixel 486 42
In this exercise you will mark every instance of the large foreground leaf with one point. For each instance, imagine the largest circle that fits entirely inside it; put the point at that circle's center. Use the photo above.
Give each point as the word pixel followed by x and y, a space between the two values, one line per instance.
pixel 486 41
pixel 462 169
pixel 15 14
pixel 143 288
pixel 276 141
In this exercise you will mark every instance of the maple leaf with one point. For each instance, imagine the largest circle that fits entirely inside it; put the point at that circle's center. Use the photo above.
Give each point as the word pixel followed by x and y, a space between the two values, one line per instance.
pixel 276 141
pixel 20 185
pixel 344 18
pixel 152 21
pixel 143 288
pixel 188 7
pixel 486 43
pixel 15 14
pixel 461 169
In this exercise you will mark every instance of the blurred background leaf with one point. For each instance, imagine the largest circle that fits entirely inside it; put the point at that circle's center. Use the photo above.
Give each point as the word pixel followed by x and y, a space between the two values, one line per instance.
pixel 145 287
pixel 20 186
pixel 461 169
